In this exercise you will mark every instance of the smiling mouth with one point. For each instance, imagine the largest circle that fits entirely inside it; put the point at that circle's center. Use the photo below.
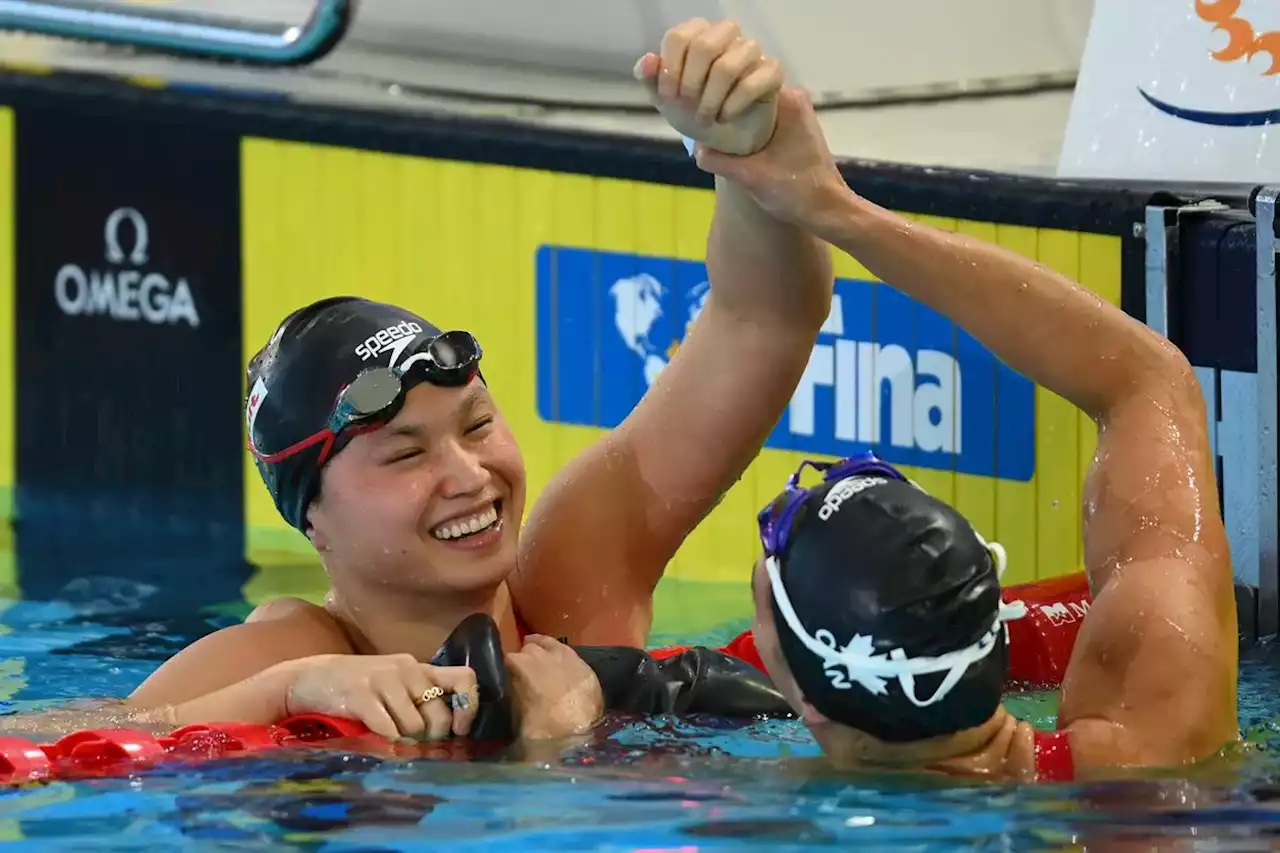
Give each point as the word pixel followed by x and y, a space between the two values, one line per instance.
pixel 483 521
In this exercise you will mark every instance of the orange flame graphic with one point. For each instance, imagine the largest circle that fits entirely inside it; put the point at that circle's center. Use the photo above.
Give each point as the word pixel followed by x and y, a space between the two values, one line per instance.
pixel 1244 43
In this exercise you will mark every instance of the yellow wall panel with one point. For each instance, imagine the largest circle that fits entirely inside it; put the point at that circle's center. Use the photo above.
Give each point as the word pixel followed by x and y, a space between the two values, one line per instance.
pixel 975 496
pixel 1016 510
pixel 1058 507
pixel 1100 270
pixel 518 390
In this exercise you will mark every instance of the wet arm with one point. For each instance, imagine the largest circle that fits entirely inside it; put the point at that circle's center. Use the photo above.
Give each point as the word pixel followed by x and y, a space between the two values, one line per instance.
pixel 1052 330
pixel 1152 678
pixel 259 698
pixel 232 655
pixel 603 531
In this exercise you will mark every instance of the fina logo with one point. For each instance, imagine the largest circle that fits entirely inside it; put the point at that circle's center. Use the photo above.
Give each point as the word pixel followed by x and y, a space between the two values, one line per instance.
pixel 886 373
pixel 130 293
pixel 921 414
pixel 1244 43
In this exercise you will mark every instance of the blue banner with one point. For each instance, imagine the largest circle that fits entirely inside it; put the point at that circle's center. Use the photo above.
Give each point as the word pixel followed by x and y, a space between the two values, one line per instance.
pixel 887 374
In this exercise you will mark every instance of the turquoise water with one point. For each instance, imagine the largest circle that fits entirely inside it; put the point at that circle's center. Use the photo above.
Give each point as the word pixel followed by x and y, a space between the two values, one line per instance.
pixel 658 785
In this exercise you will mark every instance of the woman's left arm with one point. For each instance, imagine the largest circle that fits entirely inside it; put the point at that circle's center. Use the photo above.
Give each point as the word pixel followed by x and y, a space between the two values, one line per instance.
pixel 602 533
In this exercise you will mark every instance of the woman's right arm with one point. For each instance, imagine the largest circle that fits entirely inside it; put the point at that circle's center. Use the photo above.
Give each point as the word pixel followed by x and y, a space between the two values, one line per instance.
pixel 239 652
pixel 266 669
pixel 220 677
pixel 262 697
pixel 385 692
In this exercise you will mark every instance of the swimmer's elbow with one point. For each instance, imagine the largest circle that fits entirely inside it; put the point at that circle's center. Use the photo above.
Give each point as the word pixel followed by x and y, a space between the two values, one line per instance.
pixel 1170 367
pixel 1158 373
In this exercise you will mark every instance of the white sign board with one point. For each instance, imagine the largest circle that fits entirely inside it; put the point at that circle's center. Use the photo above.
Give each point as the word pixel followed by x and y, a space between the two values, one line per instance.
pixel 1178 90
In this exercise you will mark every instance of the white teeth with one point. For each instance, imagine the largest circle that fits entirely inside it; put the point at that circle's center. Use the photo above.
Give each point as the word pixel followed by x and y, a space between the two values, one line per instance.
pixel 467 526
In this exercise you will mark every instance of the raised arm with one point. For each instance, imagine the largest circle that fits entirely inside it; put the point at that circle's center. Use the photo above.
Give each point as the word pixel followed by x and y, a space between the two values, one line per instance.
pixel 603 531
pixel 1152 677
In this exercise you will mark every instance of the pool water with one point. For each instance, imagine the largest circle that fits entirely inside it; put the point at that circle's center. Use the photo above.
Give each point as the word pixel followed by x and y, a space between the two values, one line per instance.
pixel 658 785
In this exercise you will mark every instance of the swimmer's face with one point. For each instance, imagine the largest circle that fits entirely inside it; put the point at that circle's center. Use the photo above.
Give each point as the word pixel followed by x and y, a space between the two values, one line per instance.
pixel 841 744
pixel 766 637
pixel 433 500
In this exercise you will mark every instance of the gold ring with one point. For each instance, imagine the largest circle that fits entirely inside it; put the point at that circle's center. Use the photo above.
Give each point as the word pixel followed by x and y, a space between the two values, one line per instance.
pixel 430 695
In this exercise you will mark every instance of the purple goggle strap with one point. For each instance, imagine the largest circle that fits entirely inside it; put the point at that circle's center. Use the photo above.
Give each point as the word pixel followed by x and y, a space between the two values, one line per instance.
pixel 775 524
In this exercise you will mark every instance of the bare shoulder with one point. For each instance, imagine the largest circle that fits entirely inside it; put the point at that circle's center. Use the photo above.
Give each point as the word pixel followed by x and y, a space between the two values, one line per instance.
pixel 297 623
pixel 289 607
pixel 280 630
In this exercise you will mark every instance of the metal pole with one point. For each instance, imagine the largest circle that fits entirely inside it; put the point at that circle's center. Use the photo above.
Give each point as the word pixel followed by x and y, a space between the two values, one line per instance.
pixel 1268 507
pixel 183 33
pixel 1157 279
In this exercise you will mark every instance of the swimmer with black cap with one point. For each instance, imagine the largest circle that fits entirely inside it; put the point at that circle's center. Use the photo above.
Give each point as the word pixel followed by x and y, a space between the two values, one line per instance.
pixel 379 439
pixel 877 606
pixel 879 609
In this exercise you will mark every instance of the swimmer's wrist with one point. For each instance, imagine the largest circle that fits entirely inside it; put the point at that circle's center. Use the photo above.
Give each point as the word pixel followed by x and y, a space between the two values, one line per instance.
pixel 262 698
pixel 841 217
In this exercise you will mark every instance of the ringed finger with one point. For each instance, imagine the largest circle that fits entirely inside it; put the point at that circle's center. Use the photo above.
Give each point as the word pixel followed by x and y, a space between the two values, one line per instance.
pixel 464 699
pixel 434 711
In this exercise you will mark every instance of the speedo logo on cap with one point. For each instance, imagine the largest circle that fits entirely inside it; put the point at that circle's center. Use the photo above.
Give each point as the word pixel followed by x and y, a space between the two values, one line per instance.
pixel 387 339
pixel 842 491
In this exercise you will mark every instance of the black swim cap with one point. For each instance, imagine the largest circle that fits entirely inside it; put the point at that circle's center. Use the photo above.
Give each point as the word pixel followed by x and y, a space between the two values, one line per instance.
pixel 294 382
pixel 878 569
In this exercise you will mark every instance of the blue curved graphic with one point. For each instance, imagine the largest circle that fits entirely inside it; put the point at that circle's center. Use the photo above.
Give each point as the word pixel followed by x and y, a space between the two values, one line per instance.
pixel 1257 118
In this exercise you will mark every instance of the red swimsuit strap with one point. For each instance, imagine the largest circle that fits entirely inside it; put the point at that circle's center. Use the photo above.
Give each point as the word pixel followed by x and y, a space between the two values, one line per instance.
pixel 742 647
pixel 522 628
pixel 1054 762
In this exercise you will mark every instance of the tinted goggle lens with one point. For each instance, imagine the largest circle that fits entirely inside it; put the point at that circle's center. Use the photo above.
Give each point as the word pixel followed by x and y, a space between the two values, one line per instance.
pixel 372 392
pixel 452 357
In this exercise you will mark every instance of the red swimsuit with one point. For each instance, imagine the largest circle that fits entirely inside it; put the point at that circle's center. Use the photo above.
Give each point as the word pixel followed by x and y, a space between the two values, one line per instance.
pixel 1053 757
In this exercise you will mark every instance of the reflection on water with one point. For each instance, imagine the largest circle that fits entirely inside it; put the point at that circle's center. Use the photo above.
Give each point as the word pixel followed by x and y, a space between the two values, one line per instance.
pixel 659 784
pixel 690 791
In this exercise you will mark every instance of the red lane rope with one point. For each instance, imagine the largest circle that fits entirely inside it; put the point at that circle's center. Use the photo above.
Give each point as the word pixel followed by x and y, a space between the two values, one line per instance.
pixel 111 752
